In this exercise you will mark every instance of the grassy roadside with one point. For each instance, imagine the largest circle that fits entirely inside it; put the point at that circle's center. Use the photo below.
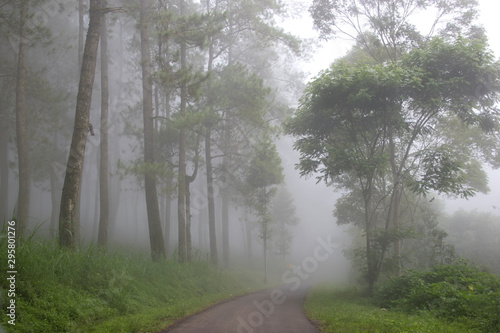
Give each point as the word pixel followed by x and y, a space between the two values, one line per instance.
pixel 346 310
pixel 86 291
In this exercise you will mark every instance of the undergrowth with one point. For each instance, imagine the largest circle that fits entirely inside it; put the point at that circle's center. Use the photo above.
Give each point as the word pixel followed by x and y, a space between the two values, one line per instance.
pixel 344 310
pixel 456 292
pixel 59 290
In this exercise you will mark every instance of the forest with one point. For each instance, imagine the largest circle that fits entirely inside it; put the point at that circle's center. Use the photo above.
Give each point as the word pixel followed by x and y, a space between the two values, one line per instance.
pixel 194 136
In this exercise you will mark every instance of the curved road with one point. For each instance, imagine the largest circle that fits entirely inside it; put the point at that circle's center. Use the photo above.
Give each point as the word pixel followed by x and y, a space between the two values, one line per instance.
pixel 275 310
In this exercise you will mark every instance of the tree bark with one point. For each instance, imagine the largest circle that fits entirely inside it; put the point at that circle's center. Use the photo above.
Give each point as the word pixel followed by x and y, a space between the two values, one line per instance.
pixel 210 196
pixel 153 211
pixel 189 245
pixel 55 188
pixel 23 201
pixel 225 226
pixel 72 180
pixel 102 238
pixel 181 182
pixel 209 169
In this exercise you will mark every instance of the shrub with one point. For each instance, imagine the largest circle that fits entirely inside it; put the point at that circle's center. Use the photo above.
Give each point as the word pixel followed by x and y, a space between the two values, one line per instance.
pixel 452 291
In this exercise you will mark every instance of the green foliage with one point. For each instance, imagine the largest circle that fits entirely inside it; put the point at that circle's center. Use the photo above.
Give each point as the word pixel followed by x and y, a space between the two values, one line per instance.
pixel 265 166
pixel 450 291
pixel 378 131
pixel 442 172
pixel 87 291
pixel 343 310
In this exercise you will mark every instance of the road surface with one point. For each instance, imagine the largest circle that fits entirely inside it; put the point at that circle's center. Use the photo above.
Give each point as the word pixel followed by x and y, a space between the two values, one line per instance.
pixel 275 310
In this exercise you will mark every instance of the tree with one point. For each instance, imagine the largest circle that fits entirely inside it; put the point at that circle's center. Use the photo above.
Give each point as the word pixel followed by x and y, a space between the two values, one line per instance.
pixel 238 31
pixel 264 172
pixel 23 201
pixel 374 130
pixel 383 32
pixel 155 233
pixel 72 180
pixel 383 27
pixel 102 237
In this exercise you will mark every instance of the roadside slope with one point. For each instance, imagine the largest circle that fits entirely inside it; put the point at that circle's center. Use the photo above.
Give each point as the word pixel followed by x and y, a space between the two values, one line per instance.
pixel 58 290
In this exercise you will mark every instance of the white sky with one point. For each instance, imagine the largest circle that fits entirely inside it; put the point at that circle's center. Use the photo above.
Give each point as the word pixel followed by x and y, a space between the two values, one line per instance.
pixel 331 50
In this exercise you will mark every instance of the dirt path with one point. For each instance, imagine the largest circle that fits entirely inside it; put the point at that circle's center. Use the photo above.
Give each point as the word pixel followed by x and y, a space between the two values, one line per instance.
pixel 275 310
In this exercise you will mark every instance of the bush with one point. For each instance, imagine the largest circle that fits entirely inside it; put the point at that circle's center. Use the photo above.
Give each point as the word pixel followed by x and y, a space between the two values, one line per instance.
pixel 451 291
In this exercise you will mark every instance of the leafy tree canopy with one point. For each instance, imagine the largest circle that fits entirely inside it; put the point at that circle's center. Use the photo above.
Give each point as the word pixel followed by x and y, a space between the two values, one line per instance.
pixel 349 112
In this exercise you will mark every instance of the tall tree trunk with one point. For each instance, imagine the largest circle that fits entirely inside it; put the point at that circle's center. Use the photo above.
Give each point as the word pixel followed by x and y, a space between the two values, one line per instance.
pixel 181 198
pixel 181 182
pixel 81 32
pixel 189 249
pixel 115 183
pixel 72 180
pixel 394 211
pixel 23 201
pixel 225 196
pixel 189 180
pixel 225 226
pixel 153 211
pixel 55 187
pixel 209 169
pixel 168 199
pixel 102 238
pixel 210 196
pixel 168 218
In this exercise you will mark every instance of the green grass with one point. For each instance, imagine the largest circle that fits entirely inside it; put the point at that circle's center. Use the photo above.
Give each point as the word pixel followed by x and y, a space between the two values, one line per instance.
pixel 347 310
pixel 58 290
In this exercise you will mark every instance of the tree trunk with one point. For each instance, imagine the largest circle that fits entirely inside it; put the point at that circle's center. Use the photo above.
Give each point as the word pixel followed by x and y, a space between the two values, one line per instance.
pixel 168 214
pixel 189 180
pixel 153 211
pixel 370 257
pixel 72 180
pixel 394 211
pixel 115 183
pixel 181 198
pixel 181 182
pixel 225 226
pixel 23 201
pixel 81 32
pixel 188 222
pixel 210 196
pixel 209 169
pixel 249 229
pixel 102 238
